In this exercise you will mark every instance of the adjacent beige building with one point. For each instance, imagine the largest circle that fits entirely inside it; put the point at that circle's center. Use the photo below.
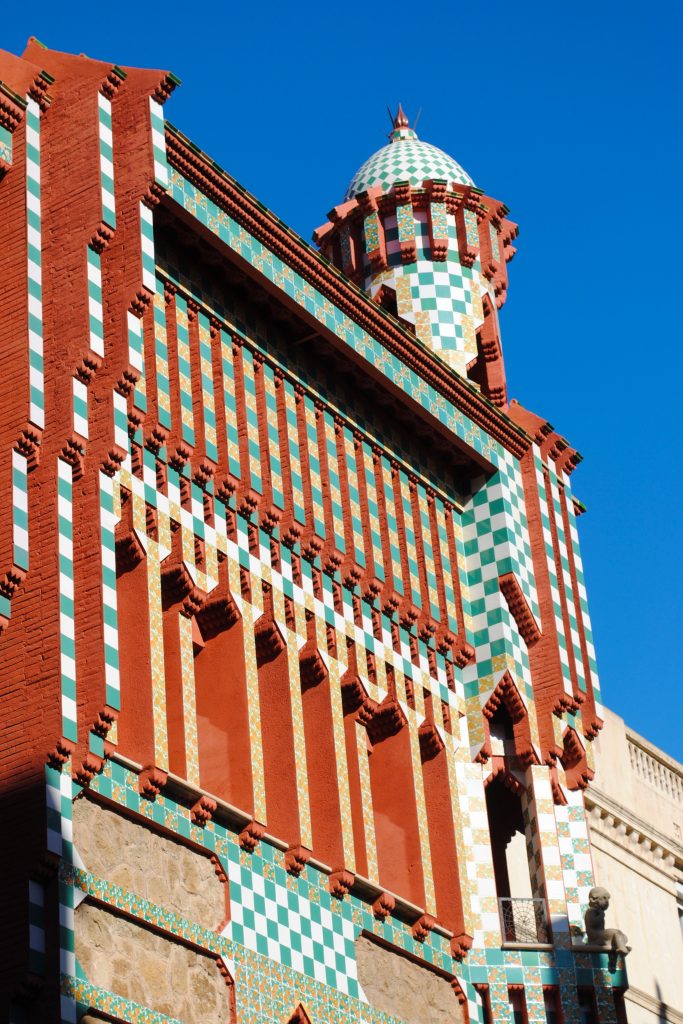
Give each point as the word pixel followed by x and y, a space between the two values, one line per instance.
pixel 635 810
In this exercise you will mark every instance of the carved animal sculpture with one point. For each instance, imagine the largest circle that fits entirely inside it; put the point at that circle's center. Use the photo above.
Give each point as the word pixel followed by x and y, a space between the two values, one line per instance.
pixel 594 919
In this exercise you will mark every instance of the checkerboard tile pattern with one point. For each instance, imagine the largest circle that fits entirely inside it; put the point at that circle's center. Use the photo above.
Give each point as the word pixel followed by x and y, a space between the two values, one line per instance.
pixel 274 915
pixel 405 158
pixel 444 300
pixel 496 542
pixel 577 867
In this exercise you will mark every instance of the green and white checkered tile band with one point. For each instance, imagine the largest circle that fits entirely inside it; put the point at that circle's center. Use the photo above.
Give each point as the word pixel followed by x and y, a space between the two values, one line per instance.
pixel 577 866
pixel 406 160
pixel 20 509
pixel 109 602
pixel 106 160
pixel 147 245
pixel 35 273
pixel 67 641
pixel 80 407
pixel 95 302
pixel 158 142
pixel 136 357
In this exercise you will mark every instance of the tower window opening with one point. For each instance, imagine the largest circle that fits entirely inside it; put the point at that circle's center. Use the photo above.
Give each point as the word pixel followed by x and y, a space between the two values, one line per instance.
pixel 501 731
pixel 386 297
pixel 523 913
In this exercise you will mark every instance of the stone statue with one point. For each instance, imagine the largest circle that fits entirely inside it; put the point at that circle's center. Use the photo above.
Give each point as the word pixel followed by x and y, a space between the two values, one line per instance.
pixel 594 918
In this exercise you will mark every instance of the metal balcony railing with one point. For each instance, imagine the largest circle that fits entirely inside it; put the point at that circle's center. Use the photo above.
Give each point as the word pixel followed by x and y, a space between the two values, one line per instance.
pixel 524 921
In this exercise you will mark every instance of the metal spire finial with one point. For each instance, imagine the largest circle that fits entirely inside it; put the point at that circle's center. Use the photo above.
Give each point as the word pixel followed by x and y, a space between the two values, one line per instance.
pixel 401 121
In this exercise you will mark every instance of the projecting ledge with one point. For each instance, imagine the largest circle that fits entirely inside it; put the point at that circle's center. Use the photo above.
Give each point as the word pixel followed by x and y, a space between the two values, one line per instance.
pixel 541 946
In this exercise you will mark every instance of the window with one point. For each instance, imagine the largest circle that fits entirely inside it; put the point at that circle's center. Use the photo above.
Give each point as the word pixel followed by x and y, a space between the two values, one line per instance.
pixel 588 1011
pixel 518 1004
pixel 553 1006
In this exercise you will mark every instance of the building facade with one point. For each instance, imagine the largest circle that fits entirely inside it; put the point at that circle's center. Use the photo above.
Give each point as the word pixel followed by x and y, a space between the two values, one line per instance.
pixel 635 815
pixel 298 684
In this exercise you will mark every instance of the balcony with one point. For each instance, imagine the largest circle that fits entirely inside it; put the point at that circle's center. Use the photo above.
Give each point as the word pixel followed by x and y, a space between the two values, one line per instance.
pixel 524 922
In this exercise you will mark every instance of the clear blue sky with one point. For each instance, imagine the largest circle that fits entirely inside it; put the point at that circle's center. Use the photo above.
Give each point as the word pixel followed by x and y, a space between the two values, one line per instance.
pixel 569 113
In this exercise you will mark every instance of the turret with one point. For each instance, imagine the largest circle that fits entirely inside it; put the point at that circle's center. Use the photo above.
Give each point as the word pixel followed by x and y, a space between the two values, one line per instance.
pixel 424 242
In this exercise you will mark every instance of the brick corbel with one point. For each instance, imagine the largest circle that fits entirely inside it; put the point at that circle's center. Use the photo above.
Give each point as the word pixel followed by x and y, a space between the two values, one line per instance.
pixel 268 638
pixel 60 753
pixel 384 906
pixel 151 781
pixel 519 608
pixel 431 742
pixel 422 927
pixel 203 810
pixel 177 585
pixel 339 882
pixel 355 698
pixel 387 720
pixel 574 761
pixel 460 947
pixel 312 668
pixel 38 90
pixel 219 612
pixel 296 859
pixel 251 835
pixel 12 108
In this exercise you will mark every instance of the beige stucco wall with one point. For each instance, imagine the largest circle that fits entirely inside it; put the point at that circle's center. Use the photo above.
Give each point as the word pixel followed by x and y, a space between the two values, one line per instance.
pixel 655 793
pixel 635 811
pixel 406 989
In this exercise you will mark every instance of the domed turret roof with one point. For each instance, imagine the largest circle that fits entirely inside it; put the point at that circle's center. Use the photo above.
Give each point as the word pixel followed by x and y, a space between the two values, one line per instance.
pixel 405 158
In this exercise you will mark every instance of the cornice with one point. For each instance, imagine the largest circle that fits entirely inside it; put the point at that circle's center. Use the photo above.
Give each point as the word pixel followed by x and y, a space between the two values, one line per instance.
pixel 12 108
pixel 617 817
pixel 331 283
pixel 662 1011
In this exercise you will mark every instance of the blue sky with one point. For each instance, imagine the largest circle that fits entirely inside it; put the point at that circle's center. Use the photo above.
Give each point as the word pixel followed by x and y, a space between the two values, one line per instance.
pixel 569 113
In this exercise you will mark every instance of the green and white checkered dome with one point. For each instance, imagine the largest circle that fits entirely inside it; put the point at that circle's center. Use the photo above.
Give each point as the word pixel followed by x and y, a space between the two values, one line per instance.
pixel 405 158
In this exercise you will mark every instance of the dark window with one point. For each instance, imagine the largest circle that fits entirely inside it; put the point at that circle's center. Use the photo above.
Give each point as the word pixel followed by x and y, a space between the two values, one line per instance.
pixel 518 1005
pixel 553 1007
pixel 588 1010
